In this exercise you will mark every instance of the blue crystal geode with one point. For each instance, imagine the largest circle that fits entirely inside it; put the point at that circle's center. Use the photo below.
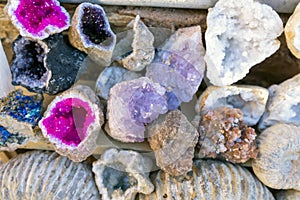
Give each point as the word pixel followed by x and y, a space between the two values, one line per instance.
pixel 47 66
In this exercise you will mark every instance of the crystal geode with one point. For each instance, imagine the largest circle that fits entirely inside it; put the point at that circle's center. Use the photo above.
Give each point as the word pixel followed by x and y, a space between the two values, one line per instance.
pixel 173 139
pixel 223 132
pixel 239 35
pixel 72 122
pixel 90 32
pixel 131 105
pixel 38 19
pixel 110 76
pixel 19 116
pixel 48 66
pixel 179 65
pixel 251 100
pixel 121 174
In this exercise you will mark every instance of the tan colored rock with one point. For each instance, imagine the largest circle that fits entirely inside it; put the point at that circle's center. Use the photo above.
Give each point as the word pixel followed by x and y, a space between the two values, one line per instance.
pixel 288 195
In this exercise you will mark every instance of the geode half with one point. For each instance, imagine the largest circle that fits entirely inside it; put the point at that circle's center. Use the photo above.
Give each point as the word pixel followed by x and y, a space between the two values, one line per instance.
pixel 121 174
pixel 48 66
pixel 73 121
pixel 90 32
pixel 239 35
pixel 133 104
pixel 19 116
pixel 38 19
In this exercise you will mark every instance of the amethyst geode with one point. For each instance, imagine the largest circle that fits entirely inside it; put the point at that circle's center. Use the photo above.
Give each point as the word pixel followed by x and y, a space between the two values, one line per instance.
pixel 39 18
pixel 48 66
pixel 132 105
pixel 90 32
pixel 73 121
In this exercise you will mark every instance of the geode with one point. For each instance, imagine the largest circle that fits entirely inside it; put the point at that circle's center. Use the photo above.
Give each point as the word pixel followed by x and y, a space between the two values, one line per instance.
pixel 251 100
pixel 110 76
pixel 173 139
pixel 223 132
pixel 121 174
pixel 73 121
pixel 239 35
pixel 131 105
pixel 37 19
pixel 90 32
pixel 19 116
pixel 48 66
pixel 179 65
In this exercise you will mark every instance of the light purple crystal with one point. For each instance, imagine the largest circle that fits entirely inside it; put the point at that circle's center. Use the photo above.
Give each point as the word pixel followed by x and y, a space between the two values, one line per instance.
pixel 133 104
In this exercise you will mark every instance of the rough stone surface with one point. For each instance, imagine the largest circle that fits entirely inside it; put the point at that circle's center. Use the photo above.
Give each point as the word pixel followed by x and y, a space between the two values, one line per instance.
pixel 292 32
pixel 121 174
pixel 5 75
pixel 38 19
pixel 251 100
pixel 239 35
pixel 283 104
pixel 110 76
pixel 72 122
pixel 173 139
pixel 133 104
pixel 288 195
pixel 278 162
pixel 90 32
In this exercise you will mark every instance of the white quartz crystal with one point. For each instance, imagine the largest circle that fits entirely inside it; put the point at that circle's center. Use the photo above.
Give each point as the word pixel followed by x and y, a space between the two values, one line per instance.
pixel 5 75
pixel 239 35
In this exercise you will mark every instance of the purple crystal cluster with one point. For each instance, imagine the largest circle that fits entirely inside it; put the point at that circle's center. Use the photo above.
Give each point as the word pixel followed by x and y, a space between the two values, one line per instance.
pixel 132 105
pixel 38 19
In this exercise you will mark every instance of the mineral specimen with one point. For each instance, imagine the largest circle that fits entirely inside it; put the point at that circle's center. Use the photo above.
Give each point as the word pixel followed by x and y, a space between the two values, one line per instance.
pixel 19 116
pixel 5 76
pixel 111 76
pixel 142 45
pixel 239 35
pixel 38 19
pixel 90 32
pixel 121 174
pixel 278 162
pixel 283 104
pixel 173 139
pixel 72 122
pixel 49 66
pixel 288 195
pixel 251 100
pixel 210 179
pixel 39 175
pixel 292 32
pixel 223 132
pixel 179 65
pixel 131 105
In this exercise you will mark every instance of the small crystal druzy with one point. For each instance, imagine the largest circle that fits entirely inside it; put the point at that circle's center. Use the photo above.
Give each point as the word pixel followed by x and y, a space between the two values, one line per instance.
pixel 42 67
pixel 73 121
pixel 90 32
pixel 132 105
pixel 38 19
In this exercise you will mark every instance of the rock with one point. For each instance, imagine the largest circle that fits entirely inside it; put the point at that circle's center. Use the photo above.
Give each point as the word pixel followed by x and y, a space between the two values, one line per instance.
pixel 131 105
pixel 72 122
pixel 251 100
pixel 288 195
pixel 37 19
pixel 121 174
pixel 5 75
pixel 239 35
pixel 173 139
pixel 278 162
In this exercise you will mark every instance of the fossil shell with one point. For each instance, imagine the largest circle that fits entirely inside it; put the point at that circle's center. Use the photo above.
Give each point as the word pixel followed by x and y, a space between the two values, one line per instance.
pixel 121 174
pixel 288 195
pixel 209 180
pixel 278 161
pixel 46 175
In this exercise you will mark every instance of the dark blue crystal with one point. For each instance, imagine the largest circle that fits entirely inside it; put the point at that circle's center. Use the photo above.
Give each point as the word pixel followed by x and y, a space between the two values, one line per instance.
pixel 172 100
pixel 7 137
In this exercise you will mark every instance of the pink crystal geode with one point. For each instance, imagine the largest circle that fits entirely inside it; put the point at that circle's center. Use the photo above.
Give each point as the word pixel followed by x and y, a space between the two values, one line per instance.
pixel 38 19
pixel 72 122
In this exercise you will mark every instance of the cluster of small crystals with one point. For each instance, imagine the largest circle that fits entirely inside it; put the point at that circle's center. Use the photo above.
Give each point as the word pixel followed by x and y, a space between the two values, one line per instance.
pixel 225 129
pixel 9 138
pixel 22 108
pixel 94 26
pixel 36 15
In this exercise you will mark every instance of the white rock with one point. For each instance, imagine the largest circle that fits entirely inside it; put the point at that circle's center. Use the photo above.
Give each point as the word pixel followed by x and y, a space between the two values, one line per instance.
pixel 250 99
pixel 5 75
pixel 239 35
